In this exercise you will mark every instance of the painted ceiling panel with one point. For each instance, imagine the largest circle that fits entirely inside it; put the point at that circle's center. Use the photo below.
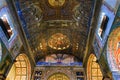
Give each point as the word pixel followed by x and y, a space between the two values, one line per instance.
pixel 57 26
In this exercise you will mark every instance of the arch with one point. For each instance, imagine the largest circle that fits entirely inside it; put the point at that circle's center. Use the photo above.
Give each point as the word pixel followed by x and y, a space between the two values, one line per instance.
pixel 53 70
pixel 113 50
pixel 58 76
pixel 21 69
pixel 93 69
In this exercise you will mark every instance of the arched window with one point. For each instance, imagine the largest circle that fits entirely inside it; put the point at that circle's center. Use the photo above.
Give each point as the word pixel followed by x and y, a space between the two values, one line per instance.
pixel 93 69
pixel 21 69
pixel 58 76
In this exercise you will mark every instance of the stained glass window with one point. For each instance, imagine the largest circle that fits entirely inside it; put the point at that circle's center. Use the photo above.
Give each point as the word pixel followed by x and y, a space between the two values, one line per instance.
pixel 22 68
pixel 93 69
pixel 58 76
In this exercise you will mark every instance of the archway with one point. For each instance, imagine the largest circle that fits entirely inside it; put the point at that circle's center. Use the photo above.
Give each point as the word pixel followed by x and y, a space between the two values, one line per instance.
pixel 21 69
pixel 113 50
pixel 58 76
pixel 93 69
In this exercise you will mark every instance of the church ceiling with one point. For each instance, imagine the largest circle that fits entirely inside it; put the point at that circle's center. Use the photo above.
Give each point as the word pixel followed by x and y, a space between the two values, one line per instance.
pixel 57 26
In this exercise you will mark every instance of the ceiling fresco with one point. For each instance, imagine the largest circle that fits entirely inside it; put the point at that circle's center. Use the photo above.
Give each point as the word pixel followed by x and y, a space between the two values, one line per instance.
pixel 59 41
pixel 57 26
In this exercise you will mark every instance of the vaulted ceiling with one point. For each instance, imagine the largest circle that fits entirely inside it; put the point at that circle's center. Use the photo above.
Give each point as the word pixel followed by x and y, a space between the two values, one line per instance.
pixel 57 26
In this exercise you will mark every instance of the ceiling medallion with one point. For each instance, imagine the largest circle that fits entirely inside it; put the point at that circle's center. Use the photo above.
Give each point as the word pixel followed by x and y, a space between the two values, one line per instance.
pixel 59 41
pixel 56 3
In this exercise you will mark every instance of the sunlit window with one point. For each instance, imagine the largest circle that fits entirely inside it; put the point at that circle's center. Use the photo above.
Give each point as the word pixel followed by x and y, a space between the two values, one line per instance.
pixel 93 69
pixel 5 26
pixel 103 24
pixel 20 70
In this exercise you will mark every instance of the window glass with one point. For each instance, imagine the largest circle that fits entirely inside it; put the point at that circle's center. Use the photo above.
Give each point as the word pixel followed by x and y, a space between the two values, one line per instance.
pixel 5 27
pixel 6 22
pixel 93 69
pixel 103 24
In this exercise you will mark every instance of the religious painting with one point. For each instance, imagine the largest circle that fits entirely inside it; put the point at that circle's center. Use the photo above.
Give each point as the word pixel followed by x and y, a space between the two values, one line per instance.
pixel 117 57
pixel 59 41
pixel 59 59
